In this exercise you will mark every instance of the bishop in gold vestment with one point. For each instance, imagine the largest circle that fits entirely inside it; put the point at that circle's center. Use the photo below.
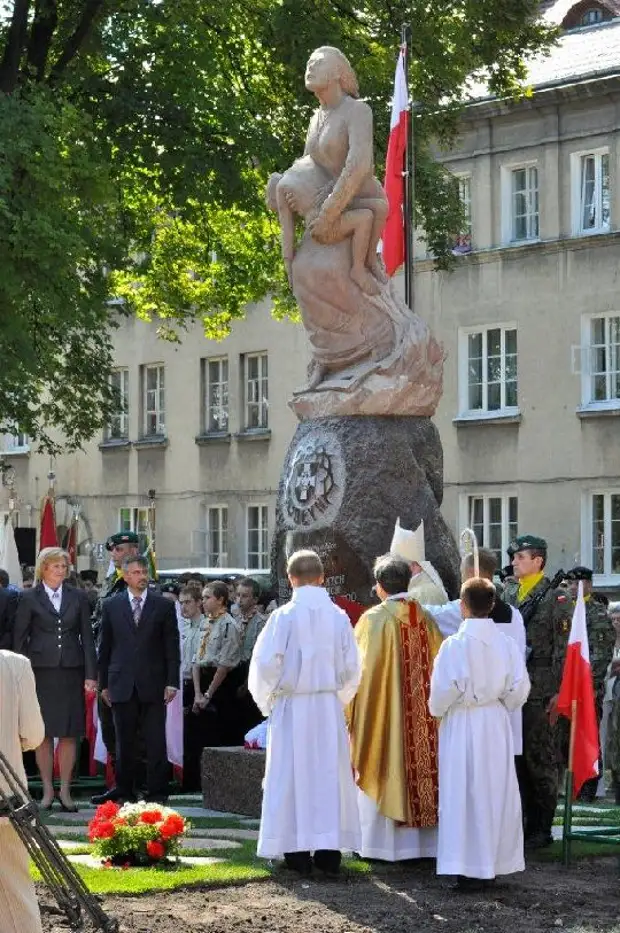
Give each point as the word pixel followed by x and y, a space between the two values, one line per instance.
pixel 393 736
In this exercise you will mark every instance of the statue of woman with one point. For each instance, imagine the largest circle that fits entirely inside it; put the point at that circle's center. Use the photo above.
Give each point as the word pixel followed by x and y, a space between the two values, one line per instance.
pixel 356 326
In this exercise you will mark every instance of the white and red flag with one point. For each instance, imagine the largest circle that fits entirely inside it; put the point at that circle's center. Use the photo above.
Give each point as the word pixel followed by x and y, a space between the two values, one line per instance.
pixel 576 699
pixel 394 232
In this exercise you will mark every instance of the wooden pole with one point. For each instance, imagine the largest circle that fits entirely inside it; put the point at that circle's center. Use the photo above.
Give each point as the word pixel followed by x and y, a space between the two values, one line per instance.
pixel 568 790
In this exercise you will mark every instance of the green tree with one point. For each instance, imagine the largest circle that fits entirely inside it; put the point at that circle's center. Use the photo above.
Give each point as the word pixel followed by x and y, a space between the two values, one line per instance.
pixel 135 140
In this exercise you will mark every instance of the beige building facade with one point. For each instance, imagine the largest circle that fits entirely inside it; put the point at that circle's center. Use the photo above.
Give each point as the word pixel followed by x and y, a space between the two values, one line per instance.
pixel 530 319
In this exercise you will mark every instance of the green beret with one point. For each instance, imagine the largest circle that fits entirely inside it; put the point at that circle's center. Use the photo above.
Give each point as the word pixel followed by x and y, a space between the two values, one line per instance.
pixel 122 537
pixel 579 573
pixel 527 543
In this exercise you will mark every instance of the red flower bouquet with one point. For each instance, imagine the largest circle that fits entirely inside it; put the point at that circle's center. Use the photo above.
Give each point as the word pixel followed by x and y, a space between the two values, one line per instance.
pixel 136 834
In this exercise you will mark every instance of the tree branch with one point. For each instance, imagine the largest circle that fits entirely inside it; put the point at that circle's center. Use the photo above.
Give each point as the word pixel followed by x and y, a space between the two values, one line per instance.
pixel 16 40
pixel 76 39
pixel 41 35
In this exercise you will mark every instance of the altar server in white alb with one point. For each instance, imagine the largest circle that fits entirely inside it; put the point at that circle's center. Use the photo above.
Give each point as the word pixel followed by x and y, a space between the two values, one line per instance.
pixel 478 678
pixel 21 729
pixel 508 618
pixel 426 585
pixel 305 668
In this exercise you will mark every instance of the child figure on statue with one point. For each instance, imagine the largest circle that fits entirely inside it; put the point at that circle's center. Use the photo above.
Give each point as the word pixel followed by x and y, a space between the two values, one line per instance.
pixel 304 670
pixel 302 190
pixel 478 678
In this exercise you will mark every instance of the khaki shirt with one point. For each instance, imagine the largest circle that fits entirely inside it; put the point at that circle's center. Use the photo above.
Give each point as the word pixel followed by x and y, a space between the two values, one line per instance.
pixel 193 630
pixel 220 645
pixel 250 630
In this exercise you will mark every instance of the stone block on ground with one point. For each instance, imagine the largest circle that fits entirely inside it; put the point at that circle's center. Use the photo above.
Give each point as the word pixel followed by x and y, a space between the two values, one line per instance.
pixel 232 779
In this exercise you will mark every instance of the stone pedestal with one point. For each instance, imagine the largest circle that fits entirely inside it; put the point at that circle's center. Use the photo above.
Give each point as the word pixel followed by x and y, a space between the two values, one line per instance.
pixel 344 483
pixel 232 780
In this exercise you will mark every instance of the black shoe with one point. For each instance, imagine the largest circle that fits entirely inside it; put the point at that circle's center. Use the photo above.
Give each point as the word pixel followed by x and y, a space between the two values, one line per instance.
pixel 468 885
pixel 115 795
pixel 539 840
pixel 63 806
pixel 299 862
pixel 328 861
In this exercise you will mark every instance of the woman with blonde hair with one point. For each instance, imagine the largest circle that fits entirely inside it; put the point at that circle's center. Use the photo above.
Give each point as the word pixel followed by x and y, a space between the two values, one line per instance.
pixel 53 629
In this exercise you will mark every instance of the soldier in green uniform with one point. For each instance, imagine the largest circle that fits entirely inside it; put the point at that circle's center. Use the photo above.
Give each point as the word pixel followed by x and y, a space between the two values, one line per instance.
pixel 120 545
pixel 547 613
pixel 601 641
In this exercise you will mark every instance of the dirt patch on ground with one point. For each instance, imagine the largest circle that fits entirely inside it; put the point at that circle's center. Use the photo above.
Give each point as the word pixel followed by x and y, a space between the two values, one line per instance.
pixel 391 900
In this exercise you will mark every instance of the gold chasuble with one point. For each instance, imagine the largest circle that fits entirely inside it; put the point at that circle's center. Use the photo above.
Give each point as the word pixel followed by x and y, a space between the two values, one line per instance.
pixel 393 735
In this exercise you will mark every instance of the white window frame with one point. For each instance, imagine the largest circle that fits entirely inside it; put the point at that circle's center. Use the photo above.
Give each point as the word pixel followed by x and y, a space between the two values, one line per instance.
pixel 224 385
pixel 138 522
pixel 253 392
pixel 158 410
pixel 465 239
pixel 576 190
pixel 466 515
pixel 588 402
pixel 263 528
pixel 224 535
pixel 123 414
pixel 465 412
pixel 508 203
pixel 607 578
pixel 15 444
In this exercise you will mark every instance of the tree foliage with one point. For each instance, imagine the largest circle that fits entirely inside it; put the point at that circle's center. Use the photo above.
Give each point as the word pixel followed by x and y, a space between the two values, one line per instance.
pixel 135 140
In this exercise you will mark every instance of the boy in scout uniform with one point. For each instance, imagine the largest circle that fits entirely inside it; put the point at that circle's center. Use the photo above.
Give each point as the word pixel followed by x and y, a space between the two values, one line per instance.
pixel 547 614
pixel 601 641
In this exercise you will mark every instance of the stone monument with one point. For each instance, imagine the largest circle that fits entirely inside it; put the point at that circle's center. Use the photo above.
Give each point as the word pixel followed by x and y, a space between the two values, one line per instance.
pixel 365 451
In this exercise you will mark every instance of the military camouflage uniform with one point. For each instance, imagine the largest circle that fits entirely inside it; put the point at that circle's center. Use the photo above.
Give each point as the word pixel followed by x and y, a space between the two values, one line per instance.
pixel 601 641
pixel 111 586
pixel 547 635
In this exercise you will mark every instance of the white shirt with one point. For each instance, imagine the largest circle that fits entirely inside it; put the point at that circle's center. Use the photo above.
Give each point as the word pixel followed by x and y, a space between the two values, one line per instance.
pixel 54 596
pixel 142 598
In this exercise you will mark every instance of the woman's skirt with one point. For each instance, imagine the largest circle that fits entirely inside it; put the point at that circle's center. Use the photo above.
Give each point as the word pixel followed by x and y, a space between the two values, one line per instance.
pixel 61 697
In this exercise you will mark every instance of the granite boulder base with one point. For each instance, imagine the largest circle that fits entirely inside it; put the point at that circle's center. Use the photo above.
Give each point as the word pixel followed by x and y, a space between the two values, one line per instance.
pixel 344 483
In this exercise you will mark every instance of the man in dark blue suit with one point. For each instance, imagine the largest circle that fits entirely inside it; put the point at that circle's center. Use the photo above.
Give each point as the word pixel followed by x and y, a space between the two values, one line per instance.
pixel 139 667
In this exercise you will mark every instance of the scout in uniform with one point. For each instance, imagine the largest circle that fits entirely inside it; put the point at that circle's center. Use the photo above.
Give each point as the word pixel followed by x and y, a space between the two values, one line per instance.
pixel 547 614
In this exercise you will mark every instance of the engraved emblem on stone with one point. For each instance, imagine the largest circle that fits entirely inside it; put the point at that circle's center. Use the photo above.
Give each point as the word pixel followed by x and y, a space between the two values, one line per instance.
pixel 314 484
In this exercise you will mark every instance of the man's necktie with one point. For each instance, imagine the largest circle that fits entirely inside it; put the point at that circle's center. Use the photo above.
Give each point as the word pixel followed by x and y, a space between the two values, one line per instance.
pixel 136 608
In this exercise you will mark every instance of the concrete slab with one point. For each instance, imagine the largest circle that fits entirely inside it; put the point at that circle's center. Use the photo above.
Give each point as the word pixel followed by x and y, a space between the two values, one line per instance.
pixel 248 834
pixel 89 861
pixel 193 842
pixel 62 830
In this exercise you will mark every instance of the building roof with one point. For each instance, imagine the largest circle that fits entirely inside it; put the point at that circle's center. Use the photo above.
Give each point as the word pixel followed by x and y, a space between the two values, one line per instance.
pixel 581 54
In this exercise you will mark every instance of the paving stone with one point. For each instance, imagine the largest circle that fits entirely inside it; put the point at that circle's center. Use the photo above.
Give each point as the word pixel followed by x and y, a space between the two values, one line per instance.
pixel 67 830
pixel 192 842
pixel 68 846
pixel 89 861
pixel 223 833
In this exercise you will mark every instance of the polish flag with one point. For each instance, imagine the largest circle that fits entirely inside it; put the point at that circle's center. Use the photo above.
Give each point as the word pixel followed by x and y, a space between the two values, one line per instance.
pixel 70 544
pixel 394 231
pixel 576 699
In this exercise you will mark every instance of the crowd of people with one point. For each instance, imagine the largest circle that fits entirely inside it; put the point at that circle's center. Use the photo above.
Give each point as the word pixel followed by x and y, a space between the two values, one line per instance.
pixel 418 679
pixel 430 694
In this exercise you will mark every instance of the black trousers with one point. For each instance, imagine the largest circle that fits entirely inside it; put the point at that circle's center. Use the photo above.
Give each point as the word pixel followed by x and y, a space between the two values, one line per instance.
pixel 537 769
pixel 148 719
pixel 192 741
pixel 106 719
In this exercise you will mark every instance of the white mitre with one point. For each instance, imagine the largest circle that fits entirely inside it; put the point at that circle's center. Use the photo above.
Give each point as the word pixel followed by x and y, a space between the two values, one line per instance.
pixel 410 546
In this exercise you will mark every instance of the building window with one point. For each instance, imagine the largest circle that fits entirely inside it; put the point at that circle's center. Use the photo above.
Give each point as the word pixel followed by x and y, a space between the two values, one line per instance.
pixel 601 374
pixel 524 204
pixel 494 520
pixel 591 192
pixel 257 538
pixel 130 519
pixel 118 428
pixel 489 370
pixel 592 16
pixel 217 536
pixel 154 401
pixel 605 527
pixel 216 395
pixel 18 443
pixel 463 242
pixel 256 391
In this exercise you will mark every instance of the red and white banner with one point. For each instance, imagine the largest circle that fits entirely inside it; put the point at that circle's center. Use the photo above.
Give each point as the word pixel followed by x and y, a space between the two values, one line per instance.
pixel 577 697
pixel 394 231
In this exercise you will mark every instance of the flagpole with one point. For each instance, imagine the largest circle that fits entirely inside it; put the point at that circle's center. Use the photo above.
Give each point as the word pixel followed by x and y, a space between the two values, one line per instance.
pixel 408 204
pixel 568 788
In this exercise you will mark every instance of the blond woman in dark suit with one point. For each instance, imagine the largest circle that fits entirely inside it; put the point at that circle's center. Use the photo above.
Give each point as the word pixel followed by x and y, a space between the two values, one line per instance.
pixel 52 628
